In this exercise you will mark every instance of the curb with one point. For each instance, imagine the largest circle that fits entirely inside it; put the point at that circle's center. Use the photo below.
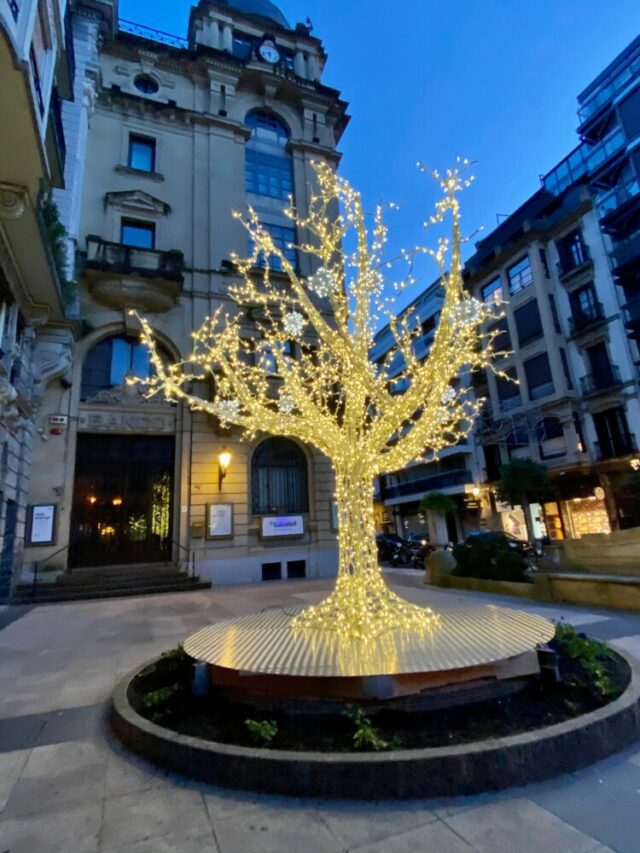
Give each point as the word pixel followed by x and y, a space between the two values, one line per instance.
pixel 402 774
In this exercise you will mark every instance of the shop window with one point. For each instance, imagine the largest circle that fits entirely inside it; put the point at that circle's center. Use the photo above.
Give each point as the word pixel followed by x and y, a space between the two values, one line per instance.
pixel 279 481
pixel 539 378
pixel 528 322
pixel 271 572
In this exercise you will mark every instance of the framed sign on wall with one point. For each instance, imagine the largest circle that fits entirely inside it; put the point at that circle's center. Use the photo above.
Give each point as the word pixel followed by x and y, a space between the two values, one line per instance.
pixel 334 515
pixel 41 524
pixel 281 526
pixel 219 521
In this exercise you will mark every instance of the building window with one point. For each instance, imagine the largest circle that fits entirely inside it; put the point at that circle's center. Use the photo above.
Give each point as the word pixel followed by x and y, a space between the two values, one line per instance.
pixel 279 482
pixel 517 439
pixel 268 166
pixel 528 322
pixel 142 153
pixel 142 235
pixel 585 308
pixel 146 84
pixel 492 292
pixel 508 390
pixel 572 251
pixel 108 363
pixel 539 378
pixel 614 438
pixel 283 239
pixel 501 342
pixel 550 436
pixel 520 275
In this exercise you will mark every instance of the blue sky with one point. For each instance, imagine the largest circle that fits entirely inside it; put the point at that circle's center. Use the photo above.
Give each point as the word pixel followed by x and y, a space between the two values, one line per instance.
pixel 492 80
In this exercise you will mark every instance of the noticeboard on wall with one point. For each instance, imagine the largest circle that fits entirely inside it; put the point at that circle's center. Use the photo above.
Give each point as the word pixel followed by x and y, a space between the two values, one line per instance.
pixel 219 521
pixel 41 526
pixel 334 515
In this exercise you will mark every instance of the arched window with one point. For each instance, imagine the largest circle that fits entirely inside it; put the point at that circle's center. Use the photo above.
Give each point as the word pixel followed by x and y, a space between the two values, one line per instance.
pixel 268 166
pixel 109 361
pixel 279 478
pixel 269 178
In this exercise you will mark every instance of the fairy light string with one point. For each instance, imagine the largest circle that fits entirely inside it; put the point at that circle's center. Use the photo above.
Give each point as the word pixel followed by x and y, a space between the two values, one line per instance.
pixel 293 359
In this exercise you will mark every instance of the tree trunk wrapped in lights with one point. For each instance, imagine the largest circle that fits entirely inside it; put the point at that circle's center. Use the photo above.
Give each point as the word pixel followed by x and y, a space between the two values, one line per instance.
pixel 328 393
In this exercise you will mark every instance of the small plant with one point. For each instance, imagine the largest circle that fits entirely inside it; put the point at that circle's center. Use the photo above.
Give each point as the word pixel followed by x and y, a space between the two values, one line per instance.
pixel 366 736
pixel 56 234
pixel 158 702
pixel 590 658
pixel 262 732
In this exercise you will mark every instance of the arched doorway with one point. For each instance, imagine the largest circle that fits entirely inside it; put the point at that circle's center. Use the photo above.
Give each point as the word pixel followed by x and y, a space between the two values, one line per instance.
pixel 124 483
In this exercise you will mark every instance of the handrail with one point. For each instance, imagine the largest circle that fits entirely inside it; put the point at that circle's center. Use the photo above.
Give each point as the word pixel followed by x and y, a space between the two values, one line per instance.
pixel 36 565
pixel 191 556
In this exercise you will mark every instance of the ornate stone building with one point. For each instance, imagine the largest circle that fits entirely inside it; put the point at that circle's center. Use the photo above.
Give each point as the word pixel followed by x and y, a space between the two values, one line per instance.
pixel 181 132
pixel 36 336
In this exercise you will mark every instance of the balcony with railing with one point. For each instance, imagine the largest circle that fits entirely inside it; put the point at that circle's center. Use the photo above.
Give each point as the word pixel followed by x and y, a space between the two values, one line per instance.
pixel 604 94
pixel 573 262
pixel 583 160
pixel 583 321
pixel 615 446
pixel 421 485
pixel 625 253
pixel 120 275
pixel 616 203
pixel 604 379
pixel 149 34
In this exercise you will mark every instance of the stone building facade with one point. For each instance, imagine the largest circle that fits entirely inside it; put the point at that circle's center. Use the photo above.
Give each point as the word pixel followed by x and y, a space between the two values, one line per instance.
pixel 36 336
pixel 178 133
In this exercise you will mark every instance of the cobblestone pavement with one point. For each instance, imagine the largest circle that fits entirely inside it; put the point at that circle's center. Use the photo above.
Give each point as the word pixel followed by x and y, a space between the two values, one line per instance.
pixel 65 785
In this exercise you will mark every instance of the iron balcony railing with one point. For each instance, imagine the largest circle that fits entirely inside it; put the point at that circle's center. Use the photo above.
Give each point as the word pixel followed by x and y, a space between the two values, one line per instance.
pixel 150 263
pixel 150 34
pixel 426 484
pixel 602 380
pixel 572 260
pixel 612 447
pixel 580 321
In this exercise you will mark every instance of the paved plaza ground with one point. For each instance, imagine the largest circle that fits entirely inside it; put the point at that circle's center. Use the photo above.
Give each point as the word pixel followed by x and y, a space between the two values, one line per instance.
pixel 65 785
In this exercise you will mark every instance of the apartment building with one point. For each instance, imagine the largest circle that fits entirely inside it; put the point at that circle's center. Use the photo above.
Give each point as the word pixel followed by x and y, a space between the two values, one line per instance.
pixel 566 268
pixel 174 134
pixel 456 473
pixel 37 69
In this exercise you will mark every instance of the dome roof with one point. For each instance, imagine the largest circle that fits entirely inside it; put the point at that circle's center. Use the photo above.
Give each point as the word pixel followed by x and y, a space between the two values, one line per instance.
pixel 260 9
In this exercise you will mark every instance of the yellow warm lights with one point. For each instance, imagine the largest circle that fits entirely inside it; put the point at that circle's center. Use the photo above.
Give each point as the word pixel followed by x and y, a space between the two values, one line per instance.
pixel 324 390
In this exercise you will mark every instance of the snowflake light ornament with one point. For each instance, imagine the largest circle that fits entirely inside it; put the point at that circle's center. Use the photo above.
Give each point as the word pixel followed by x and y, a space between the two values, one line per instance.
pixel 448 396
pixel 286 404
pixel 467 312
pixel 294 324
pixel 227 411
pixel 322 282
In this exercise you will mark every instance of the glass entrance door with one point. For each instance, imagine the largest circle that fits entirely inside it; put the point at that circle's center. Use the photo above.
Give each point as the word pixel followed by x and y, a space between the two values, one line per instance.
pixel 123 500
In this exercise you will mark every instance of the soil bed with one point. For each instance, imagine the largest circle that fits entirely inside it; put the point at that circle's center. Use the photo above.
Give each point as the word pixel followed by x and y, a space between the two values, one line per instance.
pixel 591 676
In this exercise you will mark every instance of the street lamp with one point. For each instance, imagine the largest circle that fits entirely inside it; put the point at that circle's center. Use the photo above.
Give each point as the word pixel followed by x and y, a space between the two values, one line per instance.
pixel 224 459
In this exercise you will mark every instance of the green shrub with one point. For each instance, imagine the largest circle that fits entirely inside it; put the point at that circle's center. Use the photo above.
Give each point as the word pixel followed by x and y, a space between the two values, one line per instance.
pixel 366 736
pixel 589 671
pixel 262 732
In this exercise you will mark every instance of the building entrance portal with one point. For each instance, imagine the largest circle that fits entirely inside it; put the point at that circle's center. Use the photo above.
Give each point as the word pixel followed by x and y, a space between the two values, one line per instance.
pixel 122 500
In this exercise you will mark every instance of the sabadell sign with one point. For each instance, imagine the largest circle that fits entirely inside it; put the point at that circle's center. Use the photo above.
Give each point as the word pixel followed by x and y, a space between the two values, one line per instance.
pixel 282 525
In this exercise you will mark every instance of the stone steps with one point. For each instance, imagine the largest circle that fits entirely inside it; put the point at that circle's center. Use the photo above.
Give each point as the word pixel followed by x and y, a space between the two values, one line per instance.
pixel 110 582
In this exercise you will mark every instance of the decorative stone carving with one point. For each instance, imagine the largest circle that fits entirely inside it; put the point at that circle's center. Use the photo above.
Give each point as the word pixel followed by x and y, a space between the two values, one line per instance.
pixel 52 359
pixel 137 201
pixel 13 200
pixel 149 296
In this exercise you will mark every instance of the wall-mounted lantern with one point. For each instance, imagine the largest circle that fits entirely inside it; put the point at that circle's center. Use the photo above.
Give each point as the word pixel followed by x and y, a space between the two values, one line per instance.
pixel 224 460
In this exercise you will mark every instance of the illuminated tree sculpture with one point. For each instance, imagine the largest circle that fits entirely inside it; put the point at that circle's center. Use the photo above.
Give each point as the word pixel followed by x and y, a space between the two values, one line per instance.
pixel 325 391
